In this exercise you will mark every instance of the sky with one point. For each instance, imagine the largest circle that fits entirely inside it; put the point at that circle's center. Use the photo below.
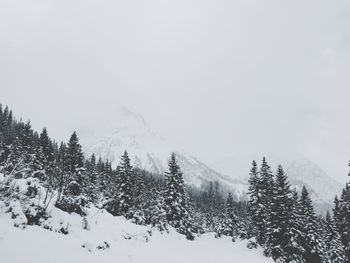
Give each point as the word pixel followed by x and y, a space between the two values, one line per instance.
pixel 219 78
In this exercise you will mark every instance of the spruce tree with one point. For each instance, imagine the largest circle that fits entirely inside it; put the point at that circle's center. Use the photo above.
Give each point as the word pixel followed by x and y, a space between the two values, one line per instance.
pixel 266 184
pixel 74 165
pixel 335 249
pixel 44 156
pixel 336 212
pixel 91 187
pixel 260 197
pixel 63 173
pixel 46 149
pixel 278 221
pixel 231 217
pixel 176 198
pixel 20 159
pixel 294 250
pixel 344 219
pixel 255 202
pixel 124 185
pixel 314 246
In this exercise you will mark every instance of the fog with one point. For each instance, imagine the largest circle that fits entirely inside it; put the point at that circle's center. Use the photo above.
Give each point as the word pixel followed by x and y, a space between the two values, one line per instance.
pixel 218 78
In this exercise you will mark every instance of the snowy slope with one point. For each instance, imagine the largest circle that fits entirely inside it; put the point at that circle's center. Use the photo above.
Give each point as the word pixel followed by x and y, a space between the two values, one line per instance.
pixel 126 243
pixel 149 150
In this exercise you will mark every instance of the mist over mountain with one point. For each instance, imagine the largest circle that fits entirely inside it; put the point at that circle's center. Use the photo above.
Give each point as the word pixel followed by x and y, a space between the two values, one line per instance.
pixel 149 150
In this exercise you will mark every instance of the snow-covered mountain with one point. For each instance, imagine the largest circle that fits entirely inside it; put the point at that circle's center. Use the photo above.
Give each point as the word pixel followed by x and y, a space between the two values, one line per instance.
pixel 150 151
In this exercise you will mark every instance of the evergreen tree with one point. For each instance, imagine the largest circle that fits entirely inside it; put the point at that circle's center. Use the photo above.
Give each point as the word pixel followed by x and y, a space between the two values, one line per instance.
pixel 335 249
pixel 122 200
pixel 231 217
pixel 62 170
pixel 343 218
pixel 91 187
pixel 176 199
pixel 20 159
pixel 336 212
pixel 260 198
pixel 255 202
pixel 126 174
pixel 74 165
pixel 294 250
pixel 44 156
pixel 46 149
pixel 313 244
pixel 278 222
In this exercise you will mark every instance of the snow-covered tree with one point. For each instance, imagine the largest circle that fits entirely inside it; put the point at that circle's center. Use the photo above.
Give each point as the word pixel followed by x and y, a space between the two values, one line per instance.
pixel 121 200
pixel 231 222
pixel 313 245
pixel 124 187
pixel 279 220
pixel 255 202
pixel 260 198
pixel 342 217
pixel 176 198
pixel 335 249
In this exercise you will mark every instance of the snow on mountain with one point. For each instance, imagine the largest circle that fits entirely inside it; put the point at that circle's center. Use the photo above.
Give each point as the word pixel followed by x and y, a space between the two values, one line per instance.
pixel 149 150
pixel 301 171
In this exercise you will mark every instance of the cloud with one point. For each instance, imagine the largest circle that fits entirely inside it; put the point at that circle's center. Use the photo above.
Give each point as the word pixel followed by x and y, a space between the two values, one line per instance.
pixel 212 76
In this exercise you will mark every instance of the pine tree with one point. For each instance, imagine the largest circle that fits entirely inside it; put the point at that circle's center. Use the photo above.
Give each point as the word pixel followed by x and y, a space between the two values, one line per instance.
pixel 266 184
pixel 336 212
pixel 126 174
pixel 278 221
pixel 343 218
pixel 335 249
pixel 231 217
pixel 46 148
pixel 44 156
pixel 74 165
pixel 176 198
pixel 312 243
pixel 260 194
pixel 20 158
pixel 62 170
pixel 255 202
pixel 91 187
pixel 294 250
pixel 123 197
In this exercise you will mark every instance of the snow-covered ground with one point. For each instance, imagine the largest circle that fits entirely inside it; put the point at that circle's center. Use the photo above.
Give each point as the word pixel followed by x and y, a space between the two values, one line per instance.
pixel 119 241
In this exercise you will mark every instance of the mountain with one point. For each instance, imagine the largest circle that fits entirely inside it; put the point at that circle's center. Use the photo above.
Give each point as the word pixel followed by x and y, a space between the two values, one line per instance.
pixel 150 151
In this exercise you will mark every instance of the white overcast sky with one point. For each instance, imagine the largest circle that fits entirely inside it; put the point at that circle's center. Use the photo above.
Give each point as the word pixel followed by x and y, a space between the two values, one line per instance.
pixel 219 78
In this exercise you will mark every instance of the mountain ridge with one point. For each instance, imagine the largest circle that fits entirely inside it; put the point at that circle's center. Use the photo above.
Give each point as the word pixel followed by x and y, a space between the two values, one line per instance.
pixel 150 151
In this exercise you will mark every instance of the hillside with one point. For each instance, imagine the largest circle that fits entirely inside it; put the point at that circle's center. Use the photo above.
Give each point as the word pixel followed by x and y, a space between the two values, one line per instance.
pixel 107 238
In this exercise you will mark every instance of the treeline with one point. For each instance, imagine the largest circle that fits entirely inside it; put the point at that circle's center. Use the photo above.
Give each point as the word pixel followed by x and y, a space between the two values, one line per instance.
pixel 276 217
pixel 72 182
pixel 284 222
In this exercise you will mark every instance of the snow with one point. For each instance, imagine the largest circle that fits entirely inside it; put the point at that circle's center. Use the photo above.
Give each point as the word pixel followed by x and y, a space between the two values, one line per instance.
pixel 114 239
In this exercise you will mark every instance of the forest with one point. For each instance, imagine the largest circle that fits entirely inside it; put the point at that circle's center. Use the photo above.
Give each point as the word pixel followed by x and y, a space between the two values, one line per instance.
pixel 275 216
